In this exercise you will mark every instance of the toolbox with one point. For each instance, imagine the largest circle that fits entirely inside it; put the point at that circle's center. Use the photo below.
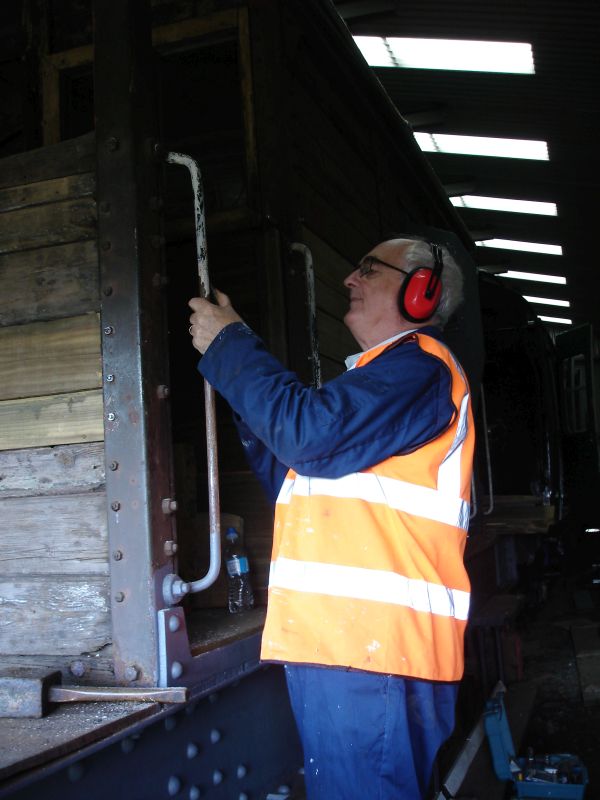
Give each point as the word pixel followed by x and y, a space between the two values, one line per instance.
pixel 560 775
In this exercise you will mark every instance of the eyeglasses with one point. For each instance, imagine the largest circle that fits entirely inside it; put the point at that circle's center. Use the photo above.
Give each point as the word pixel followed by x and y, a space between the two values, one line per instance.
pixel 365 267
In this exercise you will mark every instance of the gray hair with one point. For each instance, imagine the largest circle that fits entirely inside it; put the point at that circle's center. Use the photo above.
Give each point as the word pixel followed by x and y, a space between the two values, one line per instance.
pixel 418 254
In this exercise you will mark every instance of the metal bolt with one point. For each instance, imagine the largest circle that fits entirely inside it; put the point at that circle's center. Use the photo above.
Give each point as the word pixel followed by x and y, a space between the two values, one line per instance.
pixel 243 796
pixel 169 505
pixel 131 673
pixel 170 547
pixel 77 669
pixel 194 793
pixel 112 144
pixel 173 786
pixel 215 736
pixel 108 330
pixel 119 597
pixel 241 771
pixel 217 777
pixel 115 505
pixel 104 206
pixel 106 245
pixel 113 465
pixel 174 623
pixel 163 392
pixel 176 670
pixel 110 378
pixel 107 291
pixel 117 555
pixel 111 417
pixel 192 750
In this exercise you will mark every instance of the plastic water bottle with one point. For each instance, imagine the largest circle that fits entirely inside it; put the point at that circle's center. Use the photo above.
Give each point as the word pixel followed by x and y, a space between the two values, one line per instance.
pixel 239 589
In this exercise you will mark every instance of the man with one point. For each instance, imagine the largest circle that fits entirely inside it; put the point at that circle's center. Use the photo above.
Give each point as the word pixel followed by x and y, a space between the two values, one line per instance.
pixel 368 595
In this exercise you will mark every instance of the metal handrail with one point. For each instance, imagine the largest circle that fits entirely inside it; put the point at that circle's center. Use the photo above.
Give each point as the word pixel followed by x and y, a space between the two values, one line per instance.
pixel 488 458
pixel 309 273
pixel 174 588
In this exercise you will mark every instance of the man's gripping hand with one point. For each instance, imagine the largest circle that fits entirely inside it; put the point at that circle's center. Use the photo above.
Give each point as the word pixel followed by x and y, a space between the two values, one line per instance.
pixel 208 319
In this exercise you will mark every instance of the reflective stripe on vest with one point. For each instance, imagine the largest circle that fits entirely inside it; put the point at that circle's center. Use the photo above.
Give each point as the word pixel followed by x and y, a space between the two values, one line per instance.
pixel 367 569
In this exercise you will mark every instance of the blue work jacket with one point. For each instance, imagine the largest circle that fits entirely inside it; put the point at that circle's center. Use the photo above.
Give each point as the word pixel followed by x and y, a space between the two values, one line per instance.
pixel 391 406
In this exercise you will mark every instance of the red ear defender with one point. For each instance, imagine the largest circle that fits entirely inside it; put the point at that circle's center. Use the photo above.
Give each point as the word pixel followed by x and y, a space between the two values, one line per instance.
pixel 421 291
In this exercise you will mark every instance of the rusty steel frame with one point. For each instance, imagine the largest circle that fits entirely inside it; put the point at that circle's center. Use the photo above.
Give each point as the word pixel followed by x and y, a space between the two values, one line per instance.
pixel 135 364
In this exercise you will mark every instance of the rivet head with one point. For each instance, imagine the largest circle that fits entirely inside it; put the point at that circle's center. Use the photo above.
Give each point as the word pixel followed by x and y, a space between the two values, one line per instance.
pixel 131 673
pixel 111 416
pixel 173 785
pixel 176 670
pixel 215 736
pixel 117 555
pixel 110 378
pixel 112 144
pixel 241 771
pixel 163 392
pixel 107 291
pixel 77 669
pixel 217 777
pixel 192 750
pixel 113 465
pixel 119 597
pixel 194 793
pixel 174 623
pixel 108 330
pixel 115 505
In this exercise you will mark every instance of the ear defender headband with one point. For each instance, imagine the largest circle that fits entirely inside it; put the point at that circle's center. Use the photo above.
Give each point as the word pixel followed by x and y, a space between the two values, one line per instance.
pixel 421 291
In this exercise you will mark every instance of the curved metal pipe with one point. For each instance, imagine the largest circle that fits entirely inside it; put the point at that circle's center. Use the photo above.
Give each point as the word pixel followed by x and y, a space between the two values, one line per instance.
pixel 173 587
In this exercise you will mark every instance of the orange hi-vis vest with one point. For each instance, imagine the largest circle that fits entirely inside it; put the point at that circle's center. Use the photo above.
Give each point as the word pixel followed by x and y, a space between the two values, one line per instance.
pixel 367 569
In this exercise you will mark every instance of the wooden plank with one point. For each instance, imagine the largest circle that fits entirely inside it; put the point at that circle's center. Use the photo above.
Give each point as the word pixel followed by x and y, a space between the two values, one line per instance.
pixel 50 357
pixel 52 470
pixel 60 419
pixel 41 614
pixel 54 223
pixel 97 668
pixel 49 282
pixel 63 535
pixel 66 158
pixel 50 191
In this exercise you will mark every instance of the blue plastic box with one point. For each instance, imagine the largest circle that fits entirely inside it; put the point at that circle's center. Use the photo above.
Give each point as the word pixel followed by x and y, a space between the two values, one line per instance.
pixel 503 756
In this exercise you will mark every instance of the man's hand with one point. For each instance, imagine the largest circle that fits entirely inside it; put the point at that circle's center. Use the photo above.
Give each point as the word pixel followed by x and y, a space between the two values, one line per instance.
pixel 208 320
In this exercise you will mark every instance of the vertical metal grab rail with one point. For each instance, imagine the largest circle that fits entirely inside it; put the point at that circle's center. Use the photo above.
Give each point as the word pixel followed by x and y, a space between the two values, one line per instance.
pixel 309 274
pixel 174 588
pixel 488 458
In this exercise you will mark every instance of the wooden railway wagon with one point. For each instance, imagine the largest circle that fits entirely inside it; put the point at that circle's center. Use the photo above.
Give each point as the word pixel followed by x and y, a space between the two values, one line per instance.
pixel 103 468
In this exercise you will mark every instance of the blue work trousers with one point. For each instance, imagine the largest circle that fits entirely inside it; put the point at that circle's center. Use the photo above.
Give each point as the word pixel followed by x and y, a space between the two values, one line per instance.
pixel 368 736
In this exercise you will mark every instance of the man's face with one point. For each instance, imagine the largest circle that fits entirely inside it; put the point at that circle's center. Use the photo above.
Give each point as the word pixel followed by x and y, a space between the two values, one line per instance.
pixel 373 315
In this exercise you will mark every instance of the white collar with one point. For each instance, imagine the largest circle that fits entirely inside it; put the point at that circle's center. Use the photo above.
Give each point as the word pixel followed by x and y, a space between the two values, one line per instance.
pixel 351 360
